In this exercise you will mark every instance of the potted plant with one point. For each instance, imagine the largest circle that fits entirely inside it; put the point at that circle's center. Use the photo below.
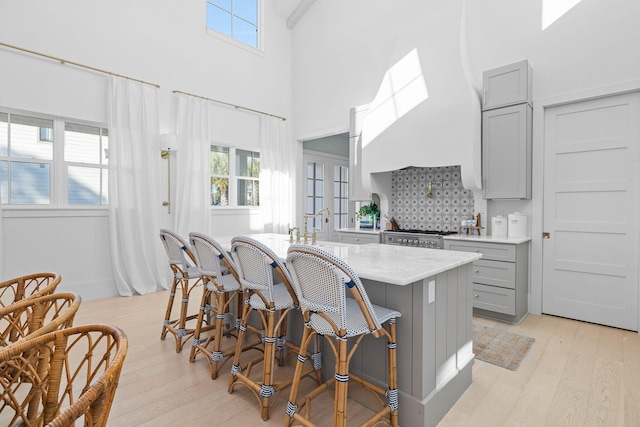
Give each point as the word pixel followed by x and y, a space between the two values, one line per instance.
pixel 371 212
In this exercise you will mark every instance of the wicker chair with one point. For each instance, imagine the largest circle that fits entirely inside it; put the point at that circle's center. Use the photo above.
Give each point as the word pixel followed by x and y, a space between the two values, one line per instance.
pixel 320 281
pixel 183 264
pixel 255 264
pixel 30 286
pixel 33 317
pixel 220 279
pixel 72 374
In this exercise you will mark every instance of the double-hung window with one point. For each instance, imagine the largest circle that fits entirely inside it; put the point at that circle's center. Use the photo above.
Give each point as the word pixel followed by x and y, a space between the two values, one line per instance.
pixel 50 161
pixel 26 160
pixel 86 160
pixel 237 19
pixel 234 183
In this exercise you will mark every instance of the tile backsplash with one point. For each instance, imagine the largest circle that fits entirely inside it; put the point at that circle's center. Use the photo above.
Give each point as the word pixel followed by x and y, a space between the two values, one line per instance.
pixel 413 209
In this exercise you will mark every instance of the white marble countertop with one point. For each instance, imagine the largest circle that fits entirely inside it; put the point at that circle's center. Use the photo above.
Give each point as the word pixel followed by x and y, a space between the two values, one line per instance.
pixel 393 264
pixel 361 230
pixel 488 238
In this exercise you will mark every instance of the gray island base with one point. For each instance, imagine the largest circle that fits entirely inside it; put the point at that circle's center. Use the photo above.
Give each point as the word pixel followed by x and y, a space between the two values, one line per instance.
pixel 433 290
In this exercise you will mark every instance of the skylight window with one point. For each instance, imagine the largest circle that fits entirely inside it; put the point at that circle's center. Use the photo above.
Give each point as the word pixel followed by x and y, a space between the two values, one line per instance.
pixel 237 19
pixel 552 10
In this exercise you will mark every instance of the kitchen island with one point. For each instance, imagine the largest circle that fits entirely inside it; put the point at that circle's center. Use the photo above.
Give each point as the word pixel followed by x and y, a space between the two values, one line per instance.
pixel 432 289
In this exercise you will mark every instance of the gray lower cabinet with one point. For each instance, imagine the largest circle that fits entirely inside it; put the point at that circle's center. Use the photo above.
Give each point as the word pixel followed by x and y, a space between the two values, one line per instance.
pixel 358 238
pixel 500 278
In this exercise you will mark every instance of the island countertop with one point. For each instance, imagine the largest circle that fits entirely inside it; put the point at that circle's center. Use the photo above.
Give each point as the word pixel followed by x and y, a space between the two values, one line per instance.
pixel 393 264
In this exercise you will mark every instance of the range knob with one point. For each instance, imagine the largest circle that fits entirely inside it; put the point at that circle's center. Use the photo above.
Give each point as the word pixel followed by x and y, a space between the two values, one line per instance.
pixel 404 241
pixel 416 242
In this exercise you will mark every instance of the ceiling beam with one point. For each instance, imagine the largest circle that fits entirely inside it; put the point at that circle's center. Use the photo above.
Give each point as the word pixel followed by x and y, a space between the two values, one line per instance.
pixel 298 13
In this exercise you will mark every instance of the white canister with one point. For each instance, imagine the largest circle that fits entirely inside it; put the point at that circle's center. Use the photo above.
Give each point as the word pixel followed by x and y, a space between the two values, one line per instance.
pixel 517 225
pixel 499 226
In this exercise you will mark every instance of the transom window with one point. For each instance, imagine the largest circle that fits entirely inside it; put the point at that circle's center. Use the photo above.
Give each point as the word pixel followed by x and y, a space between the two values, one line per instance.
pixel 237 19
pixel 49 161
pixel 237 181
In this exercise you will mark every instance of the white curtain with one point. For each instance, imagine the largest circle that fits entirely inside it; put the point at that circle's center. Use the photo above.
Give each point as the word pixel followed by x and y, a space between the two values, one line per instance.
pixel 135 202
pixel 277 169
pixel 192 207
pixel 1 234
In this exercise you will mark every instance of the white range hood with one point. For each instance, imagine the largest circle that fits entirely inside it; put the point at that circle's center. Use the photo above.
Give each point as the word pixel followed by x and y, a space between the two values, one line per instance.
pixel 426 111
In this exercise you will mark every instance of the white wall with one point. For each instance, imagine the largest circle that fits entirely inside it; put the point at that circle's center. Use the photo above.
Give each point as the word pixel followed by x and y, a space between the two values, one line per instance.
pixel 342 50
pixel 159 41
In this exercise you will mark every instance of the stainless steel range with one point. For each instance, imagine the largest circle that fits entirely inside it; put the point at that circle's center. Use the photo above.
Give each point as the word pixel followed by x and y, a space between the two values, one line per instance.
pixel 430 239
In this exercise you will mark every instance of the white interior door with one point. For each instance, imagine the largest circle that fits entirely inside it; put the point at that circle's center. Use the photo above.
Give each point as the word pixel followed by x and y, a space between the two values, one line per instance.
pixel 326 186
pixel 590 260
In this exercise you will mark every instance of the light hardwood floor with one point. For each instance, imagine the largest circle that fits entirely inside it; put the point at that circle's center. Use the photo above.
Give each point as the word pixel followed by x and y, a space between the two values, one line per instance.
pixel 577 374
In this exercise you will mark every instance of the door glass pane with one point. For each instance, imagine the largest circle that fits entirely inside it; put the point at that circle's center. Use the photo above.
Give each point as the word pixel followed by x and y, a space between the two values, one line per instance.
pixel 310 170
pixel 30 183
pixel 83 185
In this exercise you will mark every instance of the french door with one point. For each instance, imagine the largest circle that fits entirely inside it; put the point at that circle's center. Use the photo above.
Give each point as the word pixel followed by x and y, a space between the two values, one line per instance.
pixel 591 212
pixel 326 187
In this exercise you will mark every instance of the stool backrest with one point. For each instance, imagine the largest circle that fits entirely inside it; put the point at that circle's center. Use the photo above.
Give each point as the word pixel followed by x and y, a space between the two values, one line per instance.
pixel 320 280
pixel 181 259
pixel 256 263
pixel 72 375
pixel 29 286
pixel 33 317
pixel 211 258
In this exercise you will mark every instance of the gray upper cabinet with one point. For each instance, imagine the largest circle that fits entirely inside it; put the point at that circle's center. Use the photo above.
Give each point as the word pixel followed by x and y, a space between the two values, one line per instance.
pixel 507 132
pixel 506 152
pixel 507 85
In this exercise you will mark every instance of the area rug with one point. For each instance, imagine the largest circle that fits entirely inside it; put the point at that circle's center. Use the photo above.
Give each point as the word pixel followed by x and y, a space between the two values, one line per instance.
pixel 499 347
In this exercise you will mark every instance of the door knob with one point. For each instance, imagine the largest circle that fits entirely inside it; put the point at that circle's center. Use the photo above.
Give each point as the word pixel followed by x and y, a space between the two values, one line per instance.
pixel 546 235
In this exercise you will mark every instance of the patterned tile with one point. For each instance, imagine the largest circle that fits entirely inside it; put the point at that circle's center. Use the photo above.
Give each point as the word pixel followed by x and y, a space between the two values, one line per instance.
pixel 449 204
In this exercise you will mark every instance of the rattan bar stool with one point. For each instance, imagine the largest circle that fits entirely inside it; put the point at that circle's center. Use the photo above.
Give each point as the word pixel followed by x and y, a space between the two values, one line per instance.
pixel 33 317
pixel 256 264
pixel 186 276
pixel 29 286
pixel 71 378
pixel 320 281
pixel 220 279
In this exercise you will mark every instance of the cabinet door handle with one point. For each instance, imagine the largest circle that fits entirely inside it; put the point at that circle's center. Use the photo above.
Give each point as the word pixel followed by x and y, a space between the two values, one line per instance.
pixel 475 271
pixel 477 250
pixel 475 295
